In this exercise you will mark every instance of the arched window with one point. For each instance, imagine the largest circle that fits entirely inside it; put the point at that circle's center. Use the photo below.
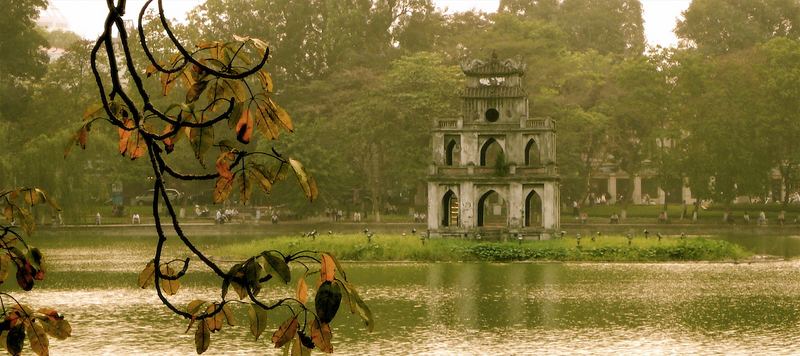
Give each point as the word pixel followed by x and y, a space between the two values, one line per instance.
pixel 533 210
pixel 450 209
pixel 490 153
pixel 452 153
pixel 532 155
pixel 492 210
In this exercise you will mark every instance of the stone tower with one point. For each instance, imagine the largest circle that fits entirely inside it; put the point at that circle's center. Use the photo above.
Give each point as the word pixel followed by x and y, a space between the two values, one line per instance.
pixel 494 169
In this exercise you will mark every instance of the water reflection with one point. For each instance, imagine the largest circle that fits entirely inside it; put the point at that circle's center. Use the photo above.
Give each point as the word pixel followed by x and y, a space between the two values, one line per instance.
pixel 460 308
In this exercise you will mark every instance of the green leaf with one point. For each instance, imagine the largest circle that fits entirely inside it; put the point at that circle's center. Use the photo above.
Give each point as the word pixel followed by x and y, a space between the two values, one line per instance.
pixel 278 264
pixel 202 139
pixel 327 300
pixel 357 305
pixel 15 339
pixel 258 320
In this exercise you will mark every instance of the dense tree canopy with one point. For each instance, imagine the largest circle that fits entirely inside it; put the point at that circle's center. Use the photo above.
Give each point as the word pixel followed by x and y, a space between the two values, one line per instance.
pixel 382 70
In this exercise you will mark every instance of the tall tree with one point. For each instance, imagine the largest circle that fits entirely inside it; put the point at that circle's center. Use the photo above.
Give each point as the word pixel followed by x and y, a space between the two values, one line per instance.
pixel 719 26
pixel 607 26
pixel 23 59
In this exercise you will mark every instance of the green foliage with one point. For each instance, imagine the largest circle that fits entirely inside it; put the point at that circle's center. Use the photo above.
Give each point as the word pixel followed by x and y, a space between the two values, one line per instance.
pixel 410 248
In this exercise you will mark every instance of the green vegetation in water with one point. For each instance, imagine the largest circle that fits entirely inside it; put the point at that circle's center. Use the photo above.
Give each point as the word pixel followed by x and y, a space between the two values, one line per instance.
pixel 411 248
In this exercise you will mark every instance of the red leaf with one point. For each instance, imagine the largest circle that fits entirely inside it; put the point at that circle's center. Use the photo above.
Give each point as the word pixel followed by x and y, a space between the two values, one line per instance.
pixel 124 136
pixel 321 334
pixel 244 128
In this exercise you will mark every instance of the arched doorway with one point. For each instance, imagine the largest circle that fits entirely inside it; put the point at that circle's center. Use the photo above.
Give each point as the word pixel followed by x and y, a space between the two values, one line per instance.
pixel 533 210
pixel 492 210
pixel 452 153
pixel 450 209
pixel 490 153
pixel 532 157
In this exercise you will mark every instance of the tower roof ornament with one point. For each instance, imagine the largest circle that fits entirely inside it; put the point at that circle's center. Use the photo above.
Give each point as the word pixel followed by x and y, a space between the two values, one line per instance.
pixel 493 67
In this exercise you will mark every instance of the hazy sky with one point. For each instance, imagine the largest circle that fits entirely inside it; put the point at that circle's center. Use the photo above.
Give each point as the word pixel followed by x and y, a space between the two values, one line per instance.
pixel 86 16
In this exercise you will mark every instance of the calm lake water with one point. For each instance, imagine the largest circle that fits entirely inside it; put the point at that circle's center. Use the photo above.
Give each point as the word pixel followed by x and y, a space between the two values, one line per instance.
pixel 456 308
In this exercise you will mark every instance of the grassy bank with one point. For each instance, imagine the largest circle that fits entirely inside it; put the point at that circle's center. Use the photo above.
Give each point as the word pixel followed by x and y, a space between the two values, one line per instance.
pixel 408 248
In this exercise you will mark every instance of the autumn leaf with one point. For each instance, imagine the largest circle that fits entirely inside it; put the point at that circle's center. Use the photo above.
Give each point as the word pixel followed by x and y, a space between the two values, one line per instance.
pixel 303 179
pixel 147 275
pixel 124 135
pixel 136 145
pixel 302 290
pixel 285 332
pixel 327 268
pixel 223 164
pixel 37 338
pixel 92 111
pixel 226 310
pixel 5 267
pixel 150 70
pixel 214 322
pixel 55 326
pixel 258 320
pixel 244 128
pixel 202 338
pixel 25 275
pixel 326 301
pixel 266 80
pixel 258 174
pixel 245 188
pixel 222 189
pixel 195 91
pixel 194 306
pixel 169 286
pixel 321 335
pixel 281 116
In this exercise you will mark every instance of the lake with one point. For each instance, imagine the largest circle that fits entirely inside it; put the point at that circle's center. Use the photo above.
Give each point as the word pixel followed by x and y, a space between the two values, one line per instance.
pixel 453 308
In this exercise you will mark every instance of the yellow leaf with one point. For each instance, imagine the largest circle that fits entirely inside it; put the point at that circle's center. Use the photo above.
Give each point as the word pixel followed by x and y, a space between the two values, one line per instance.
pixel 223 188
pixel 5 267
pixel 194 306
pixel 202 338
pixel 92 111
pixel 170 287
pixel 214 322
pixel 147 275
pixel 258 320
pixel 303 179
pixel 226 310
pixel 266 80
pixel 38 339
